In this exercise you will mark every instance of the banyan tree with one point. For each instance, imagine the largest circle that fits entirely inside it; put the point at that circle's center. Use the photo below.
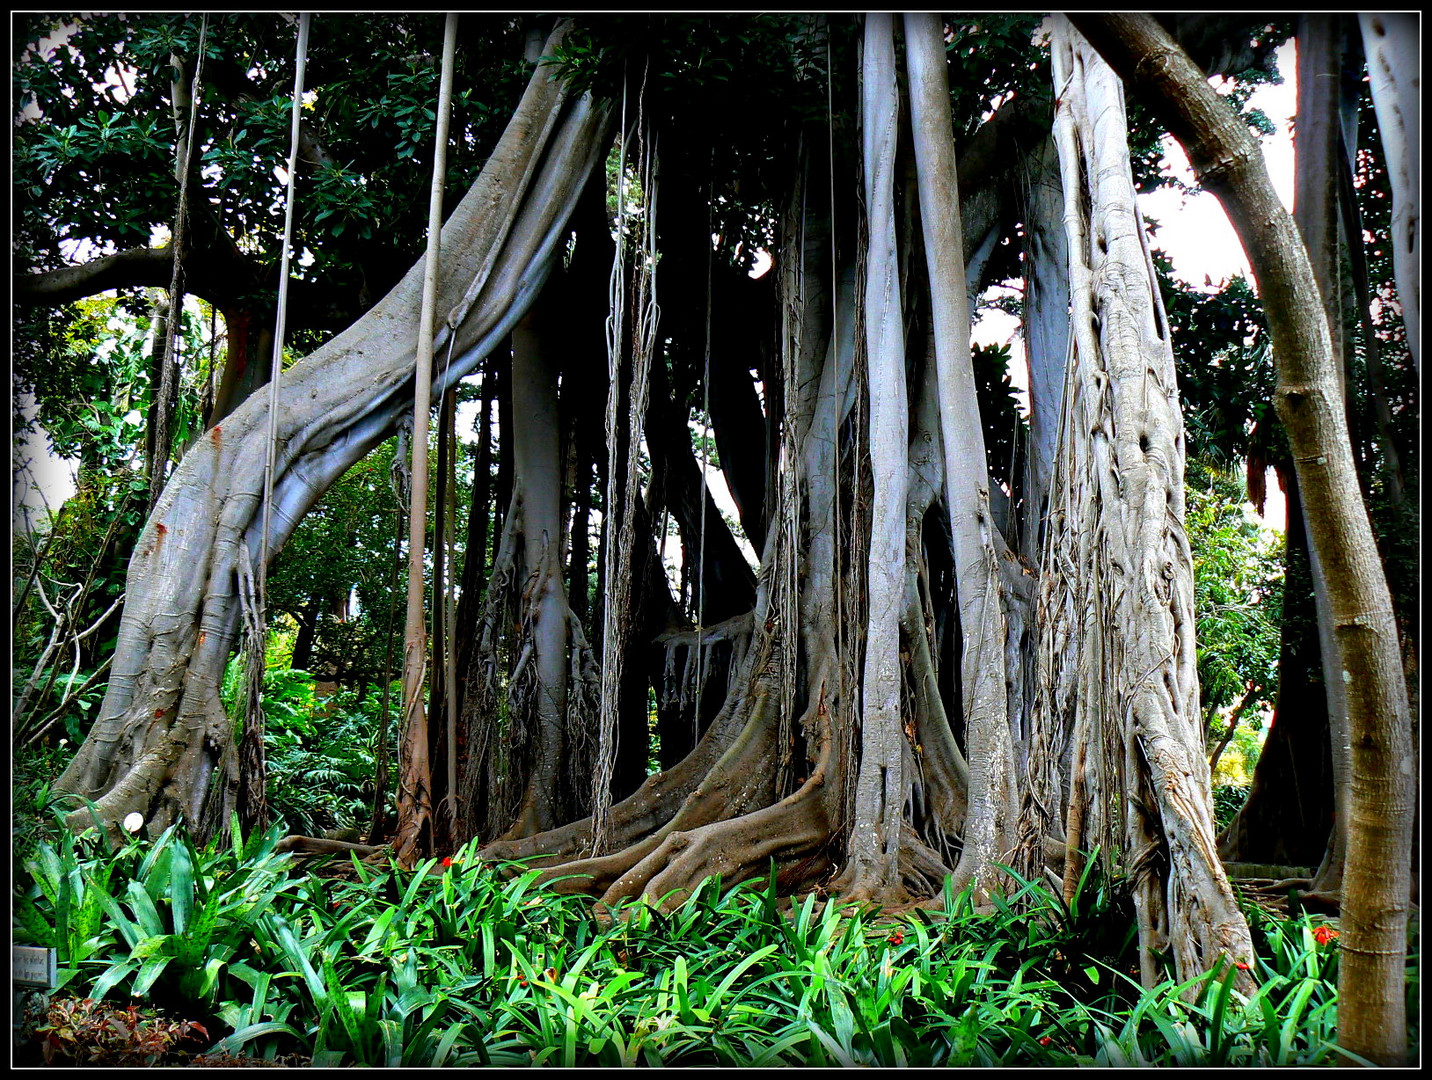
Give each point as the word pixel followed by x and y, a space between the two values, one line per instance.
pixel 943 664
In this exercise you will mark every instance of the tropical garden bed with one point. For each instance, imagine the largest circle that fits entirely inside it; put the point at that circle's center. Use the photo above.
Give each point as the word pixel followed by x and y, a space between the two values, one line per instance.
pixel 171 953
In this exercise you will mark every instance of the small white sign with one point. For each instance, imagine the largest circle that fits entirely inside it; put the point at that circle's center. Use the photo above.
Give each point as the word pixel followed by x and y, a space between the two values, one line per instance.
pixel 32 966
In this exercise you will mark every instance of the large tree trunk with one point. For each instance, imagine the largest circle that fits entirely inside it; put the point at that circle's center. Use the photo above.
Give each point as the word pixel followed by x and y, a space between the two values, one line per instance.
pixel 162 745
pixel 774 776
pixel 1117 657
pixel 1391 43
pixel 1372 1014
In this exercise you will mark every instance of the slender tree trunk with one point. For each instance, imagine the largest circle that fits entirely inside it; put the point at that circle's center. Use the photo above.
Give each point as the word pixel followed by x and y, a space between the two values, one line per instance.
pixel 416 827
pixel 307 631
pixel 882 784
pixel 159 336
pixel 989 833
pixel 1372 1014
pixel 505 426
pixel 441 720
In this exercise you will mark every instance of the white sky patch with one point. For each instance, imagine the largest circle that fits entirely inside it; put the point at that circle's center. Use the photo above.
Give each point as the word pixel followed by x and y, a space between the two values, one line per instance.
pixel 1193 228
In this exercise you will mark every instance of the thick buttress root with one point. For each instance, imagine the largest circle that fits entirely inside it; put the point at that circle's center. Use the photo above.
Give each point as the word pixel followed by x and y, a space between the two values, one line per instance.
pixel 736 781
pixel 789 832
pixel 651 806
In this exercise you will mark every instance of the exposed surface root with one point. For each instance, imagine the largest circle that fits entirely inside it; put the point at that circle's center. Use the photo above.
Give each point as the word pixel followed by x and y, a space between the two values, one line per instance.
pixel 737 848
pixel 741 780
pixel 313 845
pixel 662 795
pixel 648 808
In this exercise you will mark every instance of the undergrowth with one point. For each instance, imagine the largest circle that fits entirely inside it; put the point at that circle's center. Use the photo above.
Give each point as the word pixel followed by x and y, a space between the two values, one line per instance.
pixel 462 963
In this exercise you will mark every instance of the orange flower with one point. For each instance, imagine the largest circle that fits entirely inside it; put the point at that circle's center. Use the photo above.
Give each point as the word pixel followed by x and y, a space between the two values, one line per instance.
pixel 1240 965
pixel 1323 934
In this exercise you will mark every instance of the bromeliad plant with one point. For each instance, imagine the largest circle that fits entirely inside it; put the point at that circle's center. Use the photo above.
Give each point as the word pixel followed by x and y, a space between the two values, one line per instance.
pixel 461 963
pixel 159 919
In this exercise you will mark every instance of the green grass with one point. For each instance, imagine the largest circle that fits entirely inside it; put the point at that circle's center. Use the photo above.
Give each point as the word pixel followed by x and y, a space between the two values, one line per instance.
pixel 466 965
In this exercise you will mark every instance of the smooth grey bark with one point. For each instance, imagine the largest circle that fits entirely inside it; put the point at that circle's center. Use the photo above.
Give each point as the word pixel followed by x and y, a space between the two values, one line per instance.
pixel 1376 880
pixel 882 783
pixel 161 744
pixel 538 473
pixel 1391 44
pixel 989 831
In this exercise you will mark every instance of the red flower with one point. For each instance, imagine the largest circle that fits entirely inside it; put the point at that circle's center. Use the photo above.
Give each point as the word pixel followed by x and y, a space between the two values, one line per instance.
pixel 897 938
pixel 1046 1040
pixel 1323 934
pixel 1240 965
pixel 447 861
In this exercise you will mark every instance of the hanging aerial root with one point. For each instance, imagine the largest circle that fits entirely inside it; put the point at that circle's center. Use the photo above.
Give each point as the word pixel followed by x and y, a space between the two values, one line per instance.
pixel 701 663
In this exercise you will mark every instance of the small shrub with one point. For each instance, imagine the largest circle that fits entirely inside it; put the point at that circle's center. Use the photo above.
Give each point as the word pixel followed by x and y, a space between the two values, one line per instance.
pixel 1228 799
pixel 82 1031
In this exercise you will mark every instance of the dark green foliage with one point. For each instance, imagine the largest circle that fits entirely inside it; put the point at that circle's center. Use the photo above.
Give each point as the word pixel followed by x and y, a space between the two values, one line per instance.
pixel 345 545
pixel 101 163
pixel 1228 799
pixel 992 56
pixel 322 753
pixel 159 918
pixel 1225 368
